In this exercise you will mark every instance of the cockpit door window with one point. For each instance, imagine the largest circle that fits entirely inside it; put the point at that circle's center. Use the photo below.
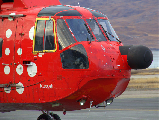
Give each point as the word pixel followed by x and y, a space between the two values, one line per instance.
pixel 39 35
pixel 45 37
pixel 49 36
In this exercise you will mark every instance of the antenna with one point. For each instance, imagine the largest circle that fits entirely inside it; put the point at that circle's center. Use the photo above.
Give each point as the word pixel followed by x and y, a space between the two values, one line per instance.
pixel 78 4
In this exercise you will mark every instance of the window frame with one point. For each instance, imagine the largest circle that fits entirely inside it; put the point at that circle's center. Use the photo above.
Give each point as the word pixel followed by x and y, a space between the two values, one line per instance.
pixel 54 32
pixel 1 46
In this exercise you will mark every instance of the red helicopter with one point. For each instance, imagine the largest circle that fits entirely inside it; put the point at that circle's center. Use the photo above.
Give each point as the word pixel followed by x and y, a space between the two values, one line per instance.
pixel 57 57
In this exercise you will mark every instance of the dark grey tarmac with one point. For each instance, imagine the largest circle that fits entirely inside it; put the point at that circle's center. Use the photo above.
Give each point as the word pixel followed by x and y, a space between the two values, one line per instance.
pixel 120 109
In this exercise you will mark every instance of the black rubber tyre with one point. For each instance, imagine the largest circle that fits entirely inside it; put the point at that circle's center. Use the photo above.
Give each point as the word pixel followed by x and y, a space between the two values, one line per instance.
pixel 44 117
pixel 56 117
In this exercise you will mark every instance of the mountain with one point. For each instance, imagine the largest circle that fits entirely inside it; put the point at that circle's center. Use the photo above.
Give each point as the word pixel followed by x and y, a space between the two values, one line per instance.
pixel 135 21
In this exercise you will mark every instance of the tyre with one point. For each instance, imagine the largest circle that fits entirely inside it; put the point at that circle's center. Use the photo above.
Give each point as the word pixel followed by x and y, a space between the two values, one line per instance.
pixel 44 117
pixel 56 117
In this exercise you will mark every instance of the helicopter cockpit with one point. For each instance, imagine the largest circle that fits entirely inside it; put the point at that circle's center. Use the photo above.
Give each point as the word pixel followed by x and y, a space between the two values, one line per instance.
pixel 72 26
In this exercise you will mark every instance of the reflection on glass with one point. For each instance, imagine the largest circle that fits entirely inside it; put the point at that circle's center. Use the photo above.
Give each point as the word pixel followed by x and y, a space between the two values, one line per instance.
pixel 39 35
pixel 79 29
pixel 69 13
pixel 96 30
pixel 65 37
pixel 108 29
pixel 49 36
pixel 75 58
pixel 52 10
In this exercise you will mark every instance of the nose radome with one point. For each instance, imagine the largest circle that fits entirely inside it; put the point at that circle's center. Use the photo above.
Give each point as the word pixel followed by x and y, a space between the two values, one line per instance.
pixel 138 57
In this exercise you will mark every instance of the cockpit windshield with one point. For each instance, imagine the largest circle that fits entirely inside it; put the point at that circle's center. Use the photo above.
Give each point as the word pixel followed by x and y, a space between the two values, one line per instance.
pixel 108 30
pixel 79 29
pixel 84 30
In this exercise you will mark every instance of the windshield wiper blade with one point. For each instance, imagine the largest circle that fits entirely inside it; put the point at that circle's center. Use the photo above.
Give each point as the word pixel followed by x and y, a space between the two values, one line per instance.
pixel 89 32
pixel 113 36
pixel 106 32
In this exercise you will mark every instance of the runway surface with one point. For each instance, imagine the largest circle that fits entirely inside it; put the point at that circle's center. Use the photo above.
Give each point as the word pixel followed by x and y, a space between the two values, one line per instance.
pixel 123 108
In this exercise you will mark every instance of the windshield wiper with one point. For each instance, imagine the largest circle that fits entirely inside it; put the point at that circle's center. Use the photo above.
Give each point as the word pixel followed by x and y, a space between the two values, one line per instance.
pixel 89 32
pixel 107 33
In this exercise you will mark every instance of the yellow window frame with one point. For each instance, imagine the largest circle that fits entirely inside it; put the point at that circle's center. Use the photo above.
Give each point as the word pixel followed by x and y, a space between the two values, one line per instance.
pixel 54 29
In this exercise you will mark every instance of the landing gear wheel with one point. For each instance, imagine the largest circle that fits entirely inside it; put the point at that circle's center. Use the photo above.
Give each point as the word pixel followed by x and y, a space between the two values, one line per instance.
pixel 44 117
pixel 55 117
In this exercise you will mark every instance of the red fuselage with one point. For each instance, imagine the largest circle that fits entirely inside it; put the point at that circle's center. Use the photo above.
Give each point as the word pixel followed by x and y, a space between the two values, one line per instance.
pixel 46 64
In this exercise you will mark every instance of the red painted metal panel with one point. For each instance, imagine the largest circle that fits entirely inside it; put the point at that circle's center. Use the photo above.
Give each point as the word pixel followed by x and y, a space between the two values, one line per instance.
pixel 43 80
pixel 33 3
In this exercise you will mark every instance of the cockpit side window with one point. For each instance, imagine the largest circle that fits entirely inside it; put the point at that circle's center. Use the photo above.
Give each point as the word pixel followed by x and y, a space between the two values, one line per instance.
pixel 65 37
pixel 112 36
pixel 44 38
pixel 1 43
pixel 96 30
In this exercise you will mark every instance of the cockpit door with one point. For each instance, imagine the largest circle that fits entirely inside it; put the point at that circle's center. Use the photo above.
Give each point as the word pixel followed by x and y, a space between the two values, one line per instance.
pixel 18 51
pixel 11 50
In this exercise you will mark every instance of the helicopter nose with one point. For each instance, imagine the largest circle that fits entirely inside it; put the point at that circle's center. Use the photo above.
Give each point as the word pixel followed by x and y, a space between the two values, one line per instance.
pixel 138 57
